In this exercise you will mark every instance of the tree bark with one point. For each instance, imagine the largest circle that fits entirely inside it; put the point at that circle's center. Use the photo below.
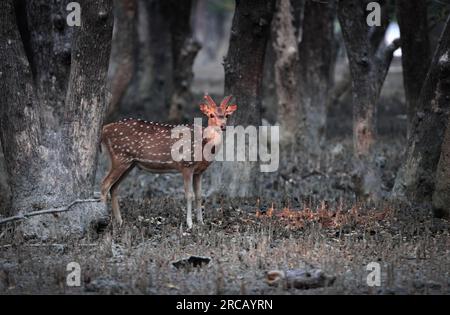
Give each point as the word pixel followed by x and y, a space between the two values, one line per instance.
pixel 415 181
pixel 50 164
pixel 5 193
pixel 416 56
pixel 243 79
pixel 49 55
pixel 342 88
pixel 441 195
pixel 21 128
pixel 316 72
pixel 85 102
pixel 184 51
pixel 368 68
pixel 286 77
pixel 122 54
pixel 269 98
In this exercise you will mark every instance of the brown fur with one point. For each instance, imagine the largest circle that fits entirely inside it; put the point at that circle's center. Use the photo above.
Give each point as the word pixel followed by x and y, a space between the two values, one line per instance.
pixel 148 145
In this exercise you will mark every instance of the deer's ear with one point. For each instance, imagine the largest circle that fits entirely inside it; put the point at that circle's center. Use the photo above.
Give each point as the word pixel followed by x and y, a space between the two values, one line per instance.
pixel 231 109
pixel 205 109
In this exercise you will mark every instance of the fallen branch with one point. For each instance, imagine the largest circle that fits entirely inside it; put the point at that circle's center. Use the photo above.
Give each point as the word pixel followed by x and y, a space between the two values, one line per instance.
pixel 46 211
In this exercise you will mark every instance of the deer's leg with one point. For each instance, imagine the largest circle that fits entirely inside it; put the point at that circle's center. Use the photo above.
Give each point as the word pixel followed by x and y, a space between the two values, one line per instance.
pixel 114 197
pixel 115 204
pixel 187 178
pixel 198 197
pixel 116 173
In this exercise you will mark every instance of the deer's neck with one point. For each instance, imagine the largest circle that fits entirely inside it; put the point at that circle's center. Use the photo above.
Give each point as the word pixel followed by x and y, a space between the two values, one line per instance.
pixel 213 136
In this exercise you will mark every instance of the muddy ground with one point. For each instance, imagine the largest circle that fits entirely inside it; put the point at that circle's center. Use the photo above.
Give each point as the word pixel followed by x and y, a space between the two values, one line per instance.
pixel 306 216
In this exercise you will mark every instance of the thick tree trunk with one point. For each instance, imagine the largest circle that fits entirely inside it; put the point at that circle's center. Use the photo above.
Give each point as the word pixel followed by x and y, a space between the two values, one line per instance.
pixel 85 101
pixel 48 165
pixel 5 192
pixel 416 179
pixel 441 195
pixel 122 54
pixel 49 55
pixel 20 110
pixel 243 79
pixel 368 68
pixel 416 57
pixel 286 77
pixel 184 51
pixel 316 72
pixel 342 88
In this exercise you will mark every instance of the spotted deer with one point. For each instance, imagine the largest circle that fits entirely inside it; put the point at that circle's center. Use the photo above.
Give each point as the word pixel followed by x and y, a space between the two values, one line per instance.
pixel 148 145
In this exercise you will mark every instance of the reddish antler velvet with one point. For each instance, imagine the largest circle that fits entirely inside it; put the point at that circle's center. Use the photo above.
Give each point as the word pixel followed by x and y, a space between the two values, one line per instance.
pixel 225 101
pixel 210 101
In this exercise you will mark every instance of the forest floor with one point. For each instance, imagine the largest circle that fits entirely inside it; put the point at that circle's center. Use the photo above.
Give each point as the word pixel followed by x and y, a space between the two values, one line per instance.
pixel 304 218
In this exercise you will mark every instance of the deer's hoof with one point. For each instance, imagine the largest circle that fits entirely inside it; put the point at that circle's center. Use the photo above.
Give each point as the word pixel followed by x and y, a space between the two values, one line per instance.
pixel 119 223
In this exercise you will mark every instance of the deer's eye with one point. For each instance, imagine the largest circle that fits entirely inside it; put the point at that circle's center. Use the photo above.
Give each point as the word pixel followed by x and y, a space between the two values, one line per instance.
pixel 227 115
pixel 211 115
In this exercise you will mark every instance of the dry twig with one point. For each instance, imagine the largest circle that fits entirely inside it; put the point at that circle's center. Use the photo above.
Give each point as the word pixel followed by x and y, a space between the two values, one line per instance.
pixel 46 211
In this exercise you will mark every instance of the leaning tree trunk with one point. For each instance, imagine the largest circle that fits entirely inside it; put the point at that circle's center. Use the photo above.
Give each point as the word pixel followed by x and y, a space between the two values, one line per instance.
pixel 243 79
pixel 286 78
pixel 122 54
pixel 209 27
pixel 184 51
pixel 368 68
pixel 416 58
pixel 416 179
pixel 316 71
pixel 436 25
pixel 377 34
pixel 50 141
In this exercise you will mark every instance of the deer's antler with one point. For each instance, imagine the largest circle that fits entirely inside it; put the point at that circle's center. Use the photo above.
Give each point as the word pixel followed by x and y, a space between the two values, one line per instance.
pixel 210 101
pixel 225 101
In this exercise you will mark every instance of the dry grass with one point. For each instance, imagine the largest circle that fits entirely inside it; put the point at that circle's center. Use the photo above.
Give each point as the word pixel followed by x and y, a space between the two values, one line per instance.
pixel 243 245
pixel 305 216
